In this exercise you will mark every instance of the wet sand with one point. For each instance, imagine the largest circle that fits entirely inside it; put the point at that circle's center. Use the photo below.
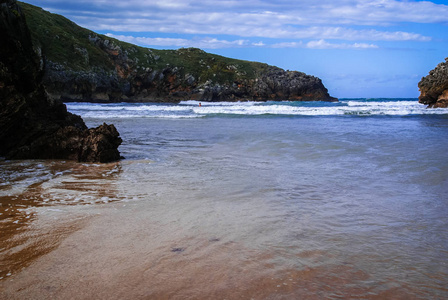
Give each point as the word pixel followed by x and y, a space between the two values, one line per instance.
pixel 57 247
pixel 90 253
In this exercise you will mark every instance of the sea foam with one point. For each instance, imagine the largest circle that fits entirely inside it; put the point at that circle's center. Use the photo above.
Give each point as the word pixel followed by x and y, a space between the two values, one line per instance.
pixel 197 109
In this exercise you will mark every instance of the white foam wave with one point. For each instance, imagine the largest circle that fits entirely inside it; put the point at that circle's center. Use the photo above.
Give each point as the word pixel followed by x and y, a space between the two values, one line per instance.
pixel 201 104
pixel 267 110
pixel 91 106
pixel 96 115
pixel 124 107
pixel 382 104
pixel 191 109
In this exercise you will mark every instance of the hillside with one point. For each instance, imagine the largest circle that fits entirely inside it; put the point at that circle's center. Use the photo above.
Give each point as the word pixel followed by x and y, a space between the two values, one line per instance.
pixel 81 65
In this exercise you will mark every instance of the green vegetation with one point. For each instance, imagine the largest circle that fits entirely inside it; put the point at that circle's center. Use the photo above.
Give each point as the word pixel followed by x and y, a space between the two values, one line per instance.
pixel 60 39
pixel 78 49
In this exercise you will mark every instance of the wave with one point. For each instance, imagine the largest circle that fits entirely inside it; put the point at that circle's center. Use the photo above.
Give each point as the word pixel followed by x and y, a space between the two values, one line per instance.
pixel 201 103
pixel 197 109
pixel 123 107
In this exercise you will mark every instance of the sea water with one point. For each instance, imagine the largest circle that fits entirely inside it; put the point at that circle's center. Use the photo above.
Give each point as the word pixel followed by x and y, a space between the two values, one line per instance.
pixel 263 200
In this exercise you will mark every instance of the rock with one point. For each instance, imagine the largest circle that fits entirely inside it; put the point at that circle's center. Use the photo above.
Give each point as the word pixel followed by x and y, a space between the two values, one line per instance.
pixel 434 87
pixel 100 144
pixel 93 145
pixel 34 126
pixel 168 85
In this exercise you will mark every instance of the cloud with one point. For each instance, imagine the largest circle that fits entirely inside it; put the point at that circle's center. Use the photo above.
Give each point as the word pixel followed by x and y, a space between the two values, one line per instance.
pixel 360 21
pixel 245 28
pixel 259 44
pixel 287 45
pixel 205 43
pixel 322 44
pixel 213 43
pixel 382 12
pixel 304 12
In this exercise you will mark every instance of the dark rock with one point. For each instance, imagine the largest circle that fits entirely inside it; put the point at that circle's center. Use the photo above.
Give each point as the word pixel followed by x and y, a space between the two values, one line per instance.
pixel 32 124
pixel 100 144
pixel 434 87
pixel 178 250
pixel 168 86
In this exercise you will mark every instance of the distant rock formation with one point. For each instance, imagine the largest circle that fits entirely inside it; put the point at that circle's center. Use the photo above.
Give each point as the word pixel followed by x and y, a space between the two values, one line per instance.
pixel 33 126
pixel 170 84
pixel 98 68
pixel 434 87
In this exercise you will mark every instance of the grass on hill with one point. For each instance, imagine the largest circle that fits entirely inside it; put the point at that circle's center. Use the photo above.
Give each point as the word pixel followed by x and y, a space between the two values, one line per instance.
pixel 65 43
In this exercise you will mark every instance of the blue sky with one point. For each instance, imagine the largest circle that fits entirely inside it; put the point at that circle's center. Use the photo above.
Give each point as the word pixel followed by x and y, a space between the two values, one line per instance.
pixel 359 48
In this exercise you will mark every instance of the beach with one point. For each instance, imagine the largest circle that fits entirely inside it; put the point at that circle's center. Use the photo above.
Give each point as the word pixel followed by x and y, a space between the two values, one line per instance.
pixel 236 201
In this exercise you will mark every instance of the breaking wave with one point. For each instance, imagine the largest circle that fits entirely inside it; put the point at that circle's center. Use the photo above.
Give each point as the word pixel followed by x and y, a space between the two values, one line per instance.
pixel 196 109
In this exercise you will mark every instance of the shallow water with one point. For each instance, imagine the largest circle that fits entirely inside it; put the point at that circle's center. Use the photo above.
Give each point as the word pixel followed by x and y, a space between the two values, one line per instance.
pixel 231 206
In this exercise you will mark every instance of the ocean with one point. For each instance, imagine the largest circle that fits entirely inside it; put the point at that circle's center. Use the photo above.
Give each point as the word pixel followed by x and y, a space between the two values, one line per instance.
pixel 246 200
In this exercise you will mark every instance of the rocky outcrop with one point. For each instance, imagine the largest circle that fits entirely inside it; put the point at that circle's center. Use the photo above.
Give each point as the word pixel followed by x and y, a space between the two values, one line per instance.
pixel 98 68
pixel 32 124
pixel 93 145
pixel 173 84
pixel 434 87
pixel 273 84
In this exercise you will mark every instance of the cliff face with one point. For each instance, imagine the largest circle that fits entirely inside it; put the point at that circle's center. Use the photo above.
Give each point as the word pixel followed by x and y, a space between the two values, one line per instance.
pixel 434 87
pixel 173 84
pixel 81 65
pixel 33 125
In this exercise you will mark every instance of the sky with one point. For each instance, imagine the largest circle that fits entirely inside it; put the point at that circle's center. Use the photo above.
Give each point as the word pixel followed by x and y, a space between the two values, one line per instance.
pixel 359 48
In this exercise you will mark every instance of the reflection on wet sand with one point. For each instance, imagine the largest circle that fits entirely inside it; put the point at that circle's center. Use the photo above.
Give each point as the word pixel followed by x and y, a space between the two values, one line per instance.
pixel 205 268
pixel 28 186
pixel 138 230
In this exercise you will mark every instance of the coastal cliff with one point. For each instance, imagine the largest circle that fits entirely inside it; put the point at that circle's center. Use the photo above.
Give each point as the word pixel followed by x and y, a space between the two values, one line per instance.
pixel 81 65
pixel 34 126
pixel 434 87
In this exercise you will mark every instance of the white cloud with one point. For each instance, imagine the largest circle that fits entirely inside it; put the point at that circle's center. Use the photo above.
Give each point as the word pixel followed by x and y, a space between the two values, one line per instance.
pixel 213 43
pixel 205 43
pixel 322 44
pixel 259 44
pixel 381 12
pixel 304 12
pixel 244 28
pixel 287 45
pixel 359 21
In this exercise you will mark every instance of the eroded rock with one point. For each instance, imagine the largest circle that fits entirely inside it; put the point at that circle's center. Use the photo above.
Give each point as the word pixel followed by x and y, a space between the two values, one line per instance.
pixel 34 126
pixel 434 87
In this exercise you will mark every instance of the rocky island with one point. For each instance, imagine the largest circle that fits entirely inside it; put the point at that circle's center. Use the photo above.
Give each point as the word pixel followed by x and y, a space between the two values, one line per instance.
pixel 33 125
pixel 434 87
pixel 81 65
